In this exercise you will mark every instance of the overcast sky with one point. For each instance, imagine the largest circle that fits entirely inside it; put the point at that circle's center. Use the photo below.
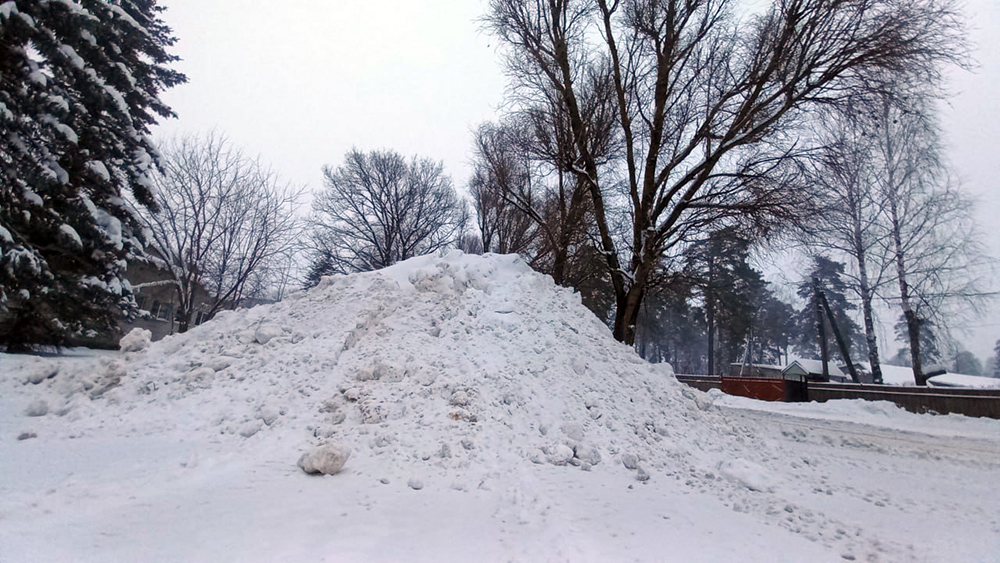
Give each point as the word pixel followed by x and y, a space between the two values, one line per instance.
pixel 300 82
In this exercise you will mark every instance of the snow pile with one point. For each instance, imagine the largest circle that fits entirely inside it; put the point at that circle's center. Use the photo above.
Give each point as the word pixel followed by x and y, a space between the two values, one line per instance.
pixel 463 365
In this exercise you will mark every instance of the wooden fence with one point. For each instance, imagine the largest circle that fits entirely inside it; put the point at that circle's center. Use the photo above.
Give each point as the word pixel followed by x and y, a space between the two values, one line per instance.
pixel 942 400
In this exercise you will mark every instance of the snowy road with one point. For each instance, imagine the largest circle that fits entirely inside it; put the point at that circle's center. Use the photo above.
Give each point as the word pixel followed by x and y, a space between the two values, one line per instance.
pixel 849 492
pixel 915 495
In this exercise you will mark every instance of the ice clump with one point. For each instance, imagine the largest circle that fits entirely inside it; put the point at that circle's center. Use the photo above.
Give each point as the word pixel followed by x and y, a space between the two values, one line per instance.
pixel 136 340
pixel 327 459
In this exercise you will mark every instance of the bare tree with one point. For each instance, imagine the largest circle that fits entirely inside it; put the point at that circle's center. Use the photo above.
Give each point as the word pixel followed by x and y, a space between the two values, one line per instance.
pixel 378 209
pixel 707 102
pixel 891 207
pixel 223 220
pixel 502 193
pixel 850 223
pixel 524 166
pixel 932 241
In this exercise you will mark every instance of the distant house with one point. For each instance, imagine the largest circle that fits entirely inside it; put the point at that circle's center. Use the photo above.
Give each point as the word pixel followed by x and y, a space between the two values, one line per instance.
pixel 156 295
pixel 812 370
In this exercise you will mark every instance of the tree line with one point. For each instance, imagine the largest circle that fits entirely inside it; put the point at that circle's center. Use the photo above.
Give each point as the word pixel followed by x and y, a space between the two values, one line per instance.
pixel 648 128
pixel 646 151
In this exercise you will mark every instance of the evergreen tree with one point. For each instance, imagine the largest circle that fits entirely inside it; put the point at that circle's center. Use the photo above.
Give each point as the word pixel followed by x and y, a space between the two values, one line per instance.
pixel 732 291
pixel 773 330
pixel 930 354
pixel 829 273
pixel 967 363
pixel 996 360
pixel 321 265
pixel 79 87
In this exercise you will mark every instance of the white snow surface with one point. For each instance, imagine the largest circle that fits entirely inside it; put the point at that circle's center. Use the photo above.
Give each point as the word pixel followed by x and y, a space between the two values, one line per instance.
pixel 489 416
pixel 961 380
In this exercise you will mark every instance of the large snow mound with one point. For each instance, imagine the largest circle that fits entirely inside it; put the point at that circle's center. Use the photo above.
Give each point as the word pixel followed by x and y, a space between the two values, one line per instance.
pixel 467 363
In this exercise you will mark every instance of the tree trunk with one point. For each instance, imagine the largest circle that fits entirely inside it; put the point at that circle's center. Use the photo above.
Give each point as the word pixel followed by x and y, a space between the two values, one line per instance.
pixel 710 312
pixel 821 329
pixel 845 352
pixel 627 313
pixel 912 322
pixel 892 197
pixel 866 305
pixel 185 305
pixel 866 295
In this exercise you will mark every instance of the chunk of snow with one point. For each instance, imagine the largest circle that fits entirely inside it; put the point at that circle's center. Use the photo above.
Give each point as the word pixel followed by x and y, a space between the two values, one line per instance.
pixel 97 167
pixel 459 399
pixel 38 77
pixel 328 459
pixel 8 8
pixel 268 416
pixel 73 57
pixel 60 101
pixel 32 197
pixel 118 99
pixel 65 130
pixel 71 234
pixel 249 429
pixel 630 461
pixel 586 454
pixel 88 37
pixel 573 430
pixel 959 380
pixel 641 474
pixel 136 340
pixel 41 371
pixel 267 332
pixel 560 455
pixel 37 408
pixel 110 226
pixel 746 473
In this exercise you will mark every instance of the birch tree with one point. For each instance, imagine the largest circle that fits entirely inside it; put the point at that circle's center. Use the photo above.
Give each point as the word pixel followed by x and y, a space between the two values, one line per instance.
pixel 933 242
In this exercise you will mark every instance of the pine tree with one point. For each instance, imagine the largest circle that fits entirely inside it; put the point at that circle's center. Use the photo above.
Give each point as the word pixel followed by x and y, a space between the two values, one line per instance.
pixel 996 360
pixel 829 273
pixel 930 353
pixel 732 292
pixel 79 87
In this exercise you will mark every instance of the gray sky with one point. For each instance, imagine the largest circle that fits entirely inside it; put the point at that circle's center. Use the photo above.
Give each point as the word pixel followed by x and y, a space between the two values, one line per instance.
pixel 302 81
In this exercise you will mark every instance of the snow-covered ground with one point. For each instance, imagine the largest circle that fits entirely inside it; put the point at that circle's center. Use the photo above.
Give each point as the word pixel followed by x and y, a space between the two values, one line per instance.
pixel 490 417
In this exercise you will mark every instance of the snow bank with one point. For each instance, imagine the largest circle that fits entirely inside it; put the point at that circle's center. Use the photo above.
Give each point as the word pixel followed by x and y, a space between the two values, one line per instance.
pixel 959 380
